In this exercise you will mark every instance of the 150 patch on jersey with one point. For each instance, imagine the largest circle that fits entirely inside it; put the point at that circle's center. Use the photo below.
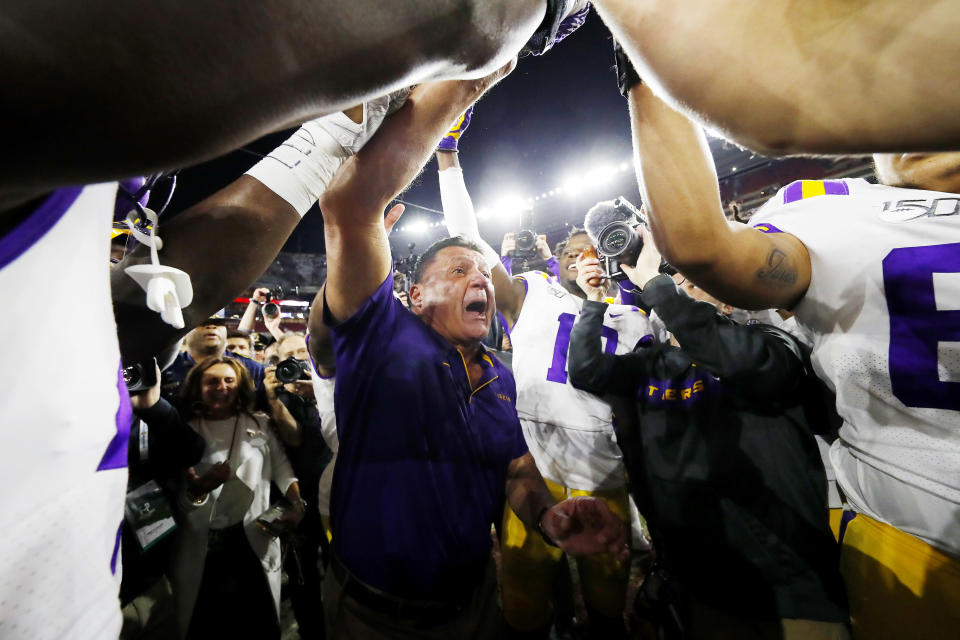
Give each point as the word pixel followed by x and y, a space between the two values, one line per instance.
pixel 914 208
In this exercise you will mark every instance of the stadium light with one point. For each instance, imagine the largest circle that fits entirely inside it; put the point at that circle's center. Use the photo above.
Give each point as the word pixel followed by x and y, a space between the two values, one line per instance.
pixel 418 227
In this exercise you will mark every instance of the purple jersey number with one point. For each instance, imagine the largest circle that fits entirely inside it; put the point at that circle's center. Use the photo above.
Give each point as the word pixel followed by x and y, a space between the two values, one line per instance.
pixel 558 368
pixel 917 326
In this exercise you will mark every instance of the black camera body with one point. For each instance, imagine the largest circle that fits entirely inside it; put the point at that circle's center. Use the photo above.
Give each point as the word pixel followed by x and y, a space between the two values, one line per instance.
pixel 620 242
pixel 292 369
pixel 140 376
pixel 526 245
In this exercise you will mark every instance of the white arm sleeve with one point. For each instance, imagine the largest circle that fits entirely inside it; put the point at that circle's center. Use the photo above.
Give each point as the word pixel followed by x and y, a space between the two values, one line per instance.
pixel 458 213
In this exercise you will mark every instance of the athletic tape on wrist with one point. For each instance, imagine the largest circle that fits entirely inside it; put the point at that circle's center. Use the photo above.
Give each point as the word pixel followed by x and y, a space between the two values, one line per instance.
pixel 300 169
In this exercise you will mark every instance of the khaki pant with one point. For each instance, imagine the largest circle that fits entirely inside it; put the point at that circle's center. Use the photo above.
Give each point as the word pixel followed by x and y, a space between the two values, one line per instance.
pixel 347 619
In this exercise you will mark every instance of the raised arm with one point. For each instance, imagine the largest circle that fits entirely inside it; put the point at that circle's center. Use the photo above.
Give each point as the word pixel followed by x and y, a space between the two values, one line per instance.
pixel 204 242
pixel 175 83
pixel 257 212
pixel 320 342
pixel 358 253
pixel 461 220
pixel 739 265
pixel 817 77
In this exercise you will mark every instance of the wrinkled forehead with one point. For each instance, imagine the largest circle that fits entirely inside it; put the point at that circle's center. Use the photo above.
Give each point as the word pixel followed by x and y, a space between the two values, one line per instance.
pixel 449 256
pixel 291 344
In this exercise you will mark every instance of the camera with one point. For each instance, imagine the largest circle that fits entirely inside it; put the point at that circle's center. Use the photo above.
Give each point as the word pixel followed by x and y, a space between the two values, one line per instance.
pixel 272 309
pixel 292 369
pixel 526 245
pixel 140 376
pixel 619 242
pixel 525 239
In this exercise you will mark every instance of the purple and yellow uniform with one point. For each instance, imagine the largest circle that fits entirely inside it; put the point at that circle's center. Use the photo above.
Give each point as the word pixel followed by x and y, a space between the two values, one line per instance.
pixel 883 314
pixel 421 468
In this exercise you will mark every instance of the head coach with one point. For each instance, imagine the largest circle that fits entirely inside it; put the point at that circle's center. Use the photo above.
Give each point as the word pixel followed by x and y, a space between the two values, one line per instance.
pixel 430 442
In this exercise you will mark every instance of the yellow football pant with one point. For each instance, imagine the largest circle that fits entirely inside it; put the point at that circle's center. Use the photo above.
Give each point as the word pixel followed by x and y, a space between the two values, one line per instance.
pixel 898 585
pixel 528 567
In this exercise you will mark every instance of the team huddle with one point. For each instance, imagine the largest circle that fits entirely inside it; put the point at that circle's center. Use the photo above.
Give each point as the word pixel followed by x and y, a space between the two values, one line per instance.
pixel 635 416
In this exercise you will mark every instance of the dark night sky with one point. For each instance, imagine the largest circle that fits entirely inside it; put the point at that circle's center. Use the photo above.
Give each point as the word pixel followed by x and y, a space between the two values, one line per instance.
pixel 554 116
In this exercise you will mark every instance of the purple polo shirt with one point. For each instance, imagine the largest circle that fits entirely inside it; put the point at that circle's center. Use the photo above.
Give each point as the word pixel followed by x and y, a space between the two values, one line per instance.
pixel 422 464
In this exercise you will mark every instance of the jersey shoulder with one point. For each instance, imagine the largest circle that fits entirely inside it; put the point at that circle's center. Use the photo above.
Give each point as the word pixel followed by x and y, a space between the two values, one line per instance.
pixel 539 283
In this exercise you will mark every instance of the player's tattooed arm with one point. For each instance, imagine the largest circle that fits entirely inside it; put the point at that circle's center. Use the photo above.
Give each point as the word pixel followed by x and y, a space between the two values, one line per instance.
pixel 778 270
pixel 735 263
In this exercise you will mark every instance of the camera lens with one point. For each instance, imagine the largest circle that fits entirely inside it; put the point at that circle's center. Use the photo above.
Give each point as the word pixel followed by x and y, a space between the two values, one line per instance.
pixel 526 240
pixel 289 370
pixel 271 309
pixel 616 241
pixel 132 376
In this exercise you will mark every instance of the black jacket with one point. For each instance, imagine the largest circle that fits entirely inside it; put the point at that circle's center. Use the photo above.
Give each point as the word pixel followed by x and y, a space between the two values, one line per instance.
pixel 721 457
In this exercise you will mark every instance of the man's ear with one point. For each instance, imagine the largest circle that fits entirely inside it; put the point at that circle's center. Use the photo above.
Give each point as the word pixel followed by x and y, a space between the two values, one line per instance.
pixel 725 309
pixel 415 296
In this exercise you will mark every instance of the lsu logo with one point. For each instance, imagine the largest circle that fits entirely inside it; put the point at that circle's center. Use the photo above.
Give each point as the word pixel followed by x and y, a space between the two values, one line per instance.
pixel 503 397
pixel 907 210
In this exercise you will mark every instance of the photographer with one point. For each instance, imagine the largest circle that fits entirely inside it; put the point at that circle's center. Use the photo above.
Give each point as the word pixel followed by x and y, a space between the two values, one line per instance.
pixel 293 406
pixel 260 301
pixel 539 252
pixel 721 460
pixel 161 446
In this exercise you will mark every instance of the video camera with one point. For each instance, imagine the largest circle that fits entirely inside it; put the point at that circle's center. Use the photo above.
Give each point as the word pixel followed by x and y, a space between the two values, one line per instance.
pixel 613 228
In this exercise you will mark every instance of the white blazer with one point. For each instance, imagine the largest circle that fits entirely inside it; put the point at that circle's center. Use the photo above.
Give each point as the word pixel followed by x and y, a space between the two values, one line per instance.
pixel 257 460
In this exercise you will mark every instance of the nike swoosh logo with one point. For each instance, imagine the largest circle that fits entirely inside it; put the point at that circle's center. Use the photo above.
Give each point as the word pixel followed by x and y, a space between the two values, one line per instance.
pixel 615 315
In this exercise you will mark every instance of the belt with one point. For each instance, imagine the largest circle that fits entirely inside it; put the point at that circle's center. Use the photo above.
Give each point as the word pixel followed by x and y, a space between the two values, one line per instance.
pixel 418 612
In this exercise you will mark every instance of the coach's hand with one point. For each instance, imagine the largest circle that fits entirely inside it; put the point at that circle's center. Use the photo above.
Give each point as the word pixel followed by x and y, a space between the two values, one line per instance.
pixel 584 525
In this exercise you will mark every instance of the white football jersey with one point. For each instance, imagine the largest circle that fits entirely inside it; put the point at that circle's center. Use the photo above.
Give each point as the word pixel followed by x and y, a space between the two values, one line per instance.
pixel 66 419
pixel 568 431
pixel 883 312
